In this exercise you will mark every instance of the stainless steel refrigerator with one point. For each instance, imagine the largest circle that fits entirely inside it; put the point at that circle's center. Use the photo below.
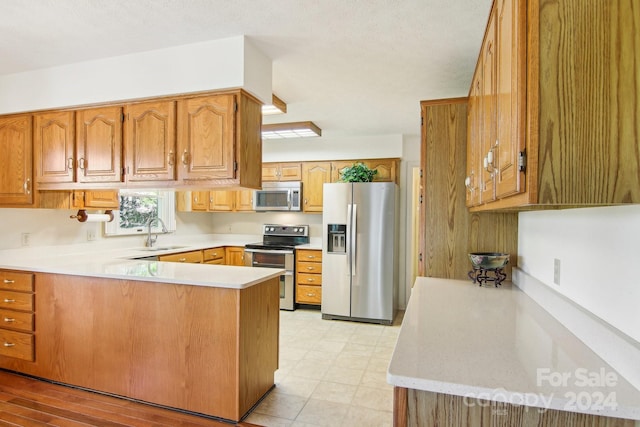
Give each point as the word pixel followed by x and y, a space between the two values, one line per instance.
pixel 359 251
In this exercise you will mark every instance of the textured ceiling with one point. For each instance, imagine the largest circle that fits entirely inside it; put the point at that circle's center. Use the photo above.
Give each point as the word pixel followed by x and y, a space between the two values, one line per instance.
pixel 354 67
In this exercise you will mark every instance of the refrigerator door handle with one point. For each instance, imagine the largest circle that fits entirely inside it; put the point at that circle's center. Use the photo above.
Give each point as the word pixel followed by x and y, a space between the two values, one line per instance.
pixel 354 222
pixel 348 245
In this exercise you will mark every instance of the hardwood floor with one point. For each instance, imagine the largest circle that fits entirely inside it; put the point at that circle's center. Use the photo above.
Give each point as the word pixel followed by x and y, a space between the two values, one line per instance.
pixel 29 402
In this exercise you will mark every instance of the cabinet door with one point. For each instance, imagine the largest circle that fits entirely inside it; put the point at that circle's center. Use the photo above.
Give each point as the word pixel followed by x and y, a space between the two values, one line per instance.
pixel 206 132
pixel 244 200
pixel 150 141
pixel 290 172
pixel 221 200
pixel 99 145
pixel 510 100
pixel 16 159
pixel 386 169
pixel 474 142
pixel 338 167
pixel 108 199
pixel 314 176
pixel 234 255
pixel 270 172
pixel 54 146
pixel 489 111
pixel 199 200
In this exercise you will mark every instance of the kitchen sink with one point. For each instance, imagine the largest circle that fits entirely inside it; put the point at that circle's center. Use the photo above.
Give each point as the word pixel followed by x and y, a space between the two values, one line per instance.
pixel 160 248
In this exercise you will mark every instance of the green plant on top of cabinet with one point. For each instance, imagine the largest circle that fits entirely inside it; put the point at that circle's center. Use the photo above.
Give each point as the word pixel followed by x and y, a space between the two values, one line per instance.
pixel 16 160
pixel 150 141
pixel 385 169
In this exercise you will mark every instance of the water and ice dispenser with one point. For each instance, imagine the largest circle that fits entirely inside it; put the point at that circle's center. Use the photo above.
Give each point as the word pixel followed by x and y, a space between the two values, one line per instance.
pixel 337 238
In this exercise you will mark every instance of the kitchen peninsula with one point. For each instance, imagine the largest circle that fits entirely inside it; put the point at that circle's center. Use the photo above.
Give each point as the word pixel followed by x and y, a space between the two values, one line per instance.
pixel 492 356
pixel 201 338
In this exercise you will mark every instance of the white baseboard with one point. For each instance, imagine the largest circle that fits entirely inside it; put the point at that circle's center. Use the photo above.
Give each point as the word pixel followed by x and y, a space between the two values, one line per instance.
pixel 613 346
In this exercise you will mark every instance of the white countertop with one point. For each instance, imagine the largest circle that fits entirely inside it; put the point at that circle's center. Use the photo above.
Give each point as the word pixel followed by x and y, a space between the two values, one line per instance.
pixel 106 260
pixel 498 344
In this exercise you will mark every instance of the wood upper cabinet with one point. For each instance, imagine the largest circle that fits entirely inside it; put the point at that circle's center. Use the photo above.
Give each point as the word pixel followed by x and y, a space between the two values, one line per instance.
pixel 244 200
pixel 206 137
pixel 150 141
pixel 281 172
pixel 222 200
pixel 386 169
pixel 314 176
pixel 474 133
pixel 563 139
pixel 99 145
pixel 54 142
pixel 16 160
pixel 488 100
pixel 97 199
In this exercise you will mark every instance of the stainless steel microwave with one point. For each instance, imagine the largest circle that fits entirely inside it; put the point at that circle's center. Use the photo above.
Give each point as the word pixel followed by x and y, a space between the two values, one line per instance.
pixel 278 196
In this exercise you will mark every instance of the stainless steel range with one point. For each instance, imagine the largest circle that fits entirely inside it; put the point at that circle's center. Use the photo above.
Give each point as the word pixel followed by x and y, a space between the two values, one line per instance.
pixel 277 250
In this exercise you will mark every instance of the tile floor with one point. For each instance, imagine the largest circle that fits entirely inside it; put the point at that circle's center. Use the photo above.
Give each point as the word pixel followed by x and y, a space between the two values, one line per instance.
pixel 332 373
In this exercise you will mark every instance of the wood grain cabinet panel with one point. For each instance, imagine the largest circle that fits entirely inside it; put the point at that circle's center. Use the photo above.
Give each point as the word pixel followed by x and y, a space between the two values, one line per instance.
pixel 561 139
pixel 16 160
pixel 54 142
pixel 150 141
pixel 281 171
pixel 99 145
pixel 206 143
pixel 314 176
pixel 234 255
pixel 188 257
pixel 214 255
pixel 17 315
pixel 309 276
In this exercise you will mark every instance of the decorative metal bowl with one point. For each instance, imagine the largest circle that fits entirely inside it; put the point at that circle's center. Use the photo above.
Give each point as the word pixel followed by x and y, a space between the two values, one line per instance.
pixel 489 260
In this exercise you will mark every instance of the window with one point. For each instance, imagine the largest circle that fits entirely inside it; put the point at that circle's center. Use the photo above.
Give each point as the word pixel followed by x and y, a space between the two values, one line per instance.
pixel 137 207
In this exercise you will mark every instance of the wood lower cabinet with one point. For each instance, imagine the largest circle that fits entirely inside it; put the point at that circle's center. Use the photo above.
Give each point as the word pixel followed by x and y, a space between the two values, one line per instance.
pixel 214 255
pixel 234 255
pixel 198 348
pixel 16 160
pixel 561 139
pixel 308 276
pixel 416 408
pixel 190 257
pixel 17 310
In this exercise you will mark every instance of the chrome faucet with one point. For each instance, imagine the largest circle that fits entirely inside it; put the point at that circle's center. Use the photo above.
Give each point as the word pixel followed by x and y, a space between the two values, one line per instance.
pixel 151 240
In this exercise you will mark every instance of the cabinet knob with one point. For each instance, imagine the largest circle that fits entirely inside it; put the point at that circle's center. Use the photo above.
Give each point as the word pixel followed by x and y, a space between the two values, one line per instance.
pixel 311 295
pixel 309 280
pixel 8 320
pixel 81 163
pixel 70 163
pixel 9 344
pixel 171 158
pixel 309 268
pixel 185 157
pixel 8 281
pixel 182 259
pixel 7 300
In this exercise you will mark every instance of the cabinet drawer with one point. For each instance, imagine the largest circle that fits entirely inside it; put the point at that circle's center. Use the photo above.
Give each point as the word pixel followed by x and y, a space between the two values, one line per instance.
pixel 15 281
pixel 309 267
pixel 308 294
pixel 309 255
pixel 219 261
pixel 16 300
pixel 16 320
pixel 192 257
pixel 214 253
pixel 309 279
pixel 16 344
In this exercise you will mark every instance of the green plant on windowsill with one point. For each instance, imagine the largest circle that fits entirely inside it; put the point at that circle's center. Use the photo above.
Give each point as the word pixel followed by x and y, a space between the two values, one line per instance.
pixel 359 172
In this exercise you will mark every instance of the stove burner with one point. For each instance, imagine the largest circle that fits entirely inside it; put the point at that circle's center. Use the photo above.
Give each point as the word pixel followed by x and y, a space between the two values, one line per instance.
pixel 483 276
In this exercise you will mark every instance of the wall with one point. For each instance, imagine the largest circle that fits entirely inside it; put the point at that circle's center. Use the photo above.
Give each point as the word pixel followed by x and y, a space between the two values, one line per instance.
pixel 598 251
pixel 219 64
pixel 49 227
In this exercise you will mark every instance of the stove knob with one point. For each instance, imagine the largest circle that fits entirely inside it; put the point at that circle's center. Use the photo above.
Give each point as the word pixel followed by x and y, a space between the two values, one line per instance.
pixel 295 230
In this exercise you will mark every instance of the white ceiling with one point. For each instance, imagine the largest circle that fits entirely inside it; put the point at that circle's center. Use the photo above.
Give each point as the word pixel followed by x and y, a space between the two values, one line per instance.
pixel 354 67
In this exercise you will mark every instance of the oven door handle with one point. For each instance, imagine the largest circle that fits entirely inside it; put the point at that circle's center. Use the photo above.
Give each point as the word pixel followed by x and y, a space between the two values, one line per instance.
pixel 269 251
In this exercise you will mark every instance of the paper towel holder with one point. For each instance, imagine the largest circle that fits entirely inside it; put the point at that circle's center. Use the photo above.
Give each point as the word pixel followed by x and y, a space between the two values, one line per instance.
pixel 83 216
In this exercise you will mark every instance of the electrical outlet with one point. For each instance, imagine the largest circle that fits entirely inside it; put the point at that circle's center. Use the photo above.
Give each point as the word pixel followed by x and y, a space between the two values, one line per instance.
pixel 25 239
pixel 91 235
pixel 556 271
